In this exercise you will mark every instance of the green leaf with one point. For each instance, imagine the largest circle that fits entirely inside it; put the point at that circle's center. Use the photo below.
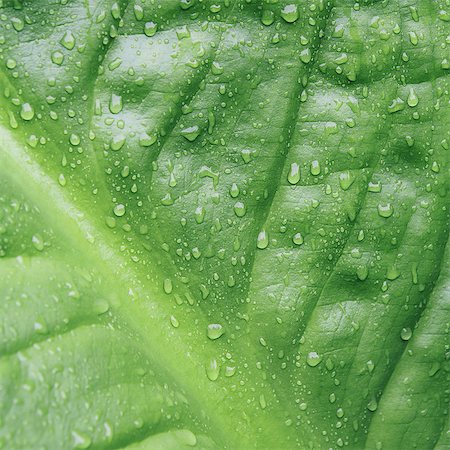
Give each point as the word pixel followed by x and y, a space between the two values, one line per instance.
pixel 223 224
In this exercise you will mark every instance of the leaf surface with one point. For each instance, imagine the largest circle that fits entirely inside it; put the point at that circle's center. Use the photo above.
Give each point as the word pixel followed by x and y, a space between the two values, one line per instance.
pixel 224 224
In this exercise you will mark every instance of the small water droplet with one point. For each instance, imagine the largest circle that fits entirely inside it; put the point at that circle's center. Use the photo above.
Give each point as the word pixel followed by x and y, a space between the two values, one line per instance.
pixel 263 240
pixel 26 111
pixel 150 29
pixel 212 369
pixel 191 133
pixel 239 209
pixel 74 139
pixel 115 103
pixel 406 334
pixel 346 179
pixel 214 331
pixel 294 174
pixel 119 210
pixel 385 210
pixel 68 40
pixel 167 286
pixel 38 242
pixel 290 13
pixel 315 167
pixel 313 359
pixel 57 57
pixel 297 239
pixel 174 322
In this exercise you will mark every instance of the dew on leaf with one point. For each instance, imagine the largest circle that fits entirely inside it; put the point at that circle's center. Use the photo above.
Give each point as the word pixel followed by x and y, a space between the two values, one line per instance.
pixel 119 210
pixel 294 174
pixel 406 334
pixel 174 322
pixel 267 17
pixel 385 210
pixel 214 331
pixel 146 140
pixel 239 209
pixel 412 99
pixel 213 369
pixel 167 286
pixel 74 139
pixel 263 240
pixel 290 13
pixel 191 133
pixel 150 29
pixel 57 57
pixel 297 239
pixel 38 242
pixel 313 359
pixel 115 103
pixel 68 40
pixel 26 111
pixel 315 168
pixel 346 179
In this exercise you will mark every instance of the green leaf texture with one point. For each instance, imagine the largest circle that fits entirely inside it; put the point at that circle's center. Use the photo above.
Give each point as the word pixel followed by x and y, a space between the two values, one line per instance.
pixel 223 224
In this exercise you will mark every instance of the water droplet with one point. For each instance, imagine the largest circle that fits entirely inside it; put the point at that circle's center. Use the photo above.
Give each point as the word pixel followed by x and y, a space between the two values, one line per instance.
pixel 11 63
pixel 17 23
pixel 115 103
pixel 26 111
pixel 346 179
pixel 315 168
pixel 313 359
pixel 234 190
pixel 267 17
pixel 262 401
pixel 444 15
pixel 374 187
pixel 146 140
pixel 68 40
pixel 406 334
pixel 213 370
pixel 412 100
pixel 362 272
pixel 435 167
pixel 191 133
pixel 119 210
pixel 174 322
pixel 246 155
pixel 38 242
pixel 396 105
pixel 305 56
pixel 297 239
pixel 372 405
pixel 81 440
pixel 57 57
pixel 74 139
pixel 290 13
pixel 167 286
pixel 263 240
pixel 230 371
pixel 138 12
pixel 294 173
pixel 239 209
pixel 186 4
pixel 214 331
pixel 183 32
pixel 117 142
pixel 199 214
pixel 413 38
pixel 150 29
pixel 392 273
pixel 385 210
